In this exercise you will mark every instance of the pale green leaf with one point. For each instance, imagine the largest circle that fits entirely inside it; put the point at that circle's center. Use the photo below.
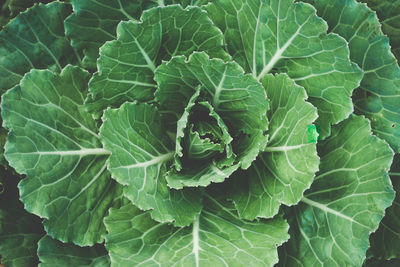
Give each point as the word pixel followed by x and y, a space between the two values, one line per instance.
pixel 197 174
pixel 199 147
pixel 216 238
pixel 34 39
pixel 385 242
pixel 211 124
pixel 181 125
pixel 55 253
pixel 281 36
pixel 55 143
pixel 288 164
pixel 378 96
pixel 346 202
pixel 200 171
pixel 238 99
pixel 126 66
pixel 141 152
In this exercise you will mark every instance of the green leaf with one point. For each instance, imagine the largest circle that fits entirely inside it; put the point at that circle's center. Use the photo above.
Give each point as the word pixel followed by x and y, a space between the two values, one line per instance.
pixel 199 147
pixel 5 15
pixel 126 65
pixel 346 202
pixel 3 138
pixel 55 253
pixel 218 130
pixel 200 174
pixel 288 164
pixel 388 13
pixel 381 263
pixel 34 39
pixel 94 22
pixel 55 143
pixel 378 96
pixel 385 242
pixel 181 125
pixel 195 172
pixel 281 36
pixel 19 230
pixel 216 238
pixel 237 98
pixel 19 234
pixel 141 151
pixel 17 6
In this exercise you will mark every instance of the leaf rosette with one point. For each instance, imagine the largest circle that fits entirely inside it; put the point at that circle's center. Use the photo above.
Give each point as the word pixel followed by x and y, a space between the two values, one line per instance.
pixel 207 114
pixel 210 120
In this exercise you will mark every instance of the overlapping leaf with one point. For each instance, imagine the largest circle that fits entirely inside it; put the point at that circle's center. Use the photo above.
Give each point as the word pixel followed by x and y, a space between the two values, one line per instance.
pixel 141 151
pixel 55 253
pixel 95 21
pixel 346 202
pixel 388 12
pixel 282 36
pixel 385 242
pixel 217 237
pixel 16 6
pixel 126 65
pixel 55 143
pixel 287 166
pixel 19 234
pixel 19 230
pixel 238 99
pixel 34 39
pixel 378 96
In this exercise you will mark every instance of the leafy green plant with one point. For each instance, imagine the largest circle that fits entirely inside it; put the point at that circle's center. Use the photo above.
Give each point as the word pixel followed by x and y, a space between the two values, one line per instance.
pixel 193 133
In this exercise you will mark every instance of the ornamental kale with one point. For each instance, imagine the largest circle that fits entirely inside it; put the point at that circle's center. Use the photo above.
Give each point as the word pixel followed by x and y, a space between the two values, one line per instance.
pixel 196 133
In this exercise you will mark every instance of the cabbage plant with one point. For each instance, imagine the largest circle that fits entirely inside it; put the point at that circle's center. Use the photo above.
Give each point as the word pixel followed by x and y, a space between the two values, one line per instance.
pixel 196 133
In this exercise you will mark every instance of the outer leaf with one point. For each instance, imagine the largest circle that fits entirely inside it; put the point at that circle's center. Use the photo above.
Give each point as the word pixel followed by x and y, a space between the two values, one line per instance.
pixel 17 6
pixel 380 263
pixel 388 12
pixel 126 65
pixel 237 98
pixel 346 201
pixel 19 230
pixel 19 234
pixel 94 22
pixel 140 153
pixel 385 242
pixel 4 14
pixel 55 253
pixel 287 167
pixel 280 36
pixel 216 238
pixel 3 138
pixel 55 143
pixel 378 97
pixel 34 39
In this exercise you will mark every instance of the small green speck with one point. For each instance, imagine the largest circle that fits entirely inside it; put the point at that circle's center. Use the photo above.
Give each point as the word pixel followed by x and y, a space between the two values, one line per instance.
pixel 313 133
